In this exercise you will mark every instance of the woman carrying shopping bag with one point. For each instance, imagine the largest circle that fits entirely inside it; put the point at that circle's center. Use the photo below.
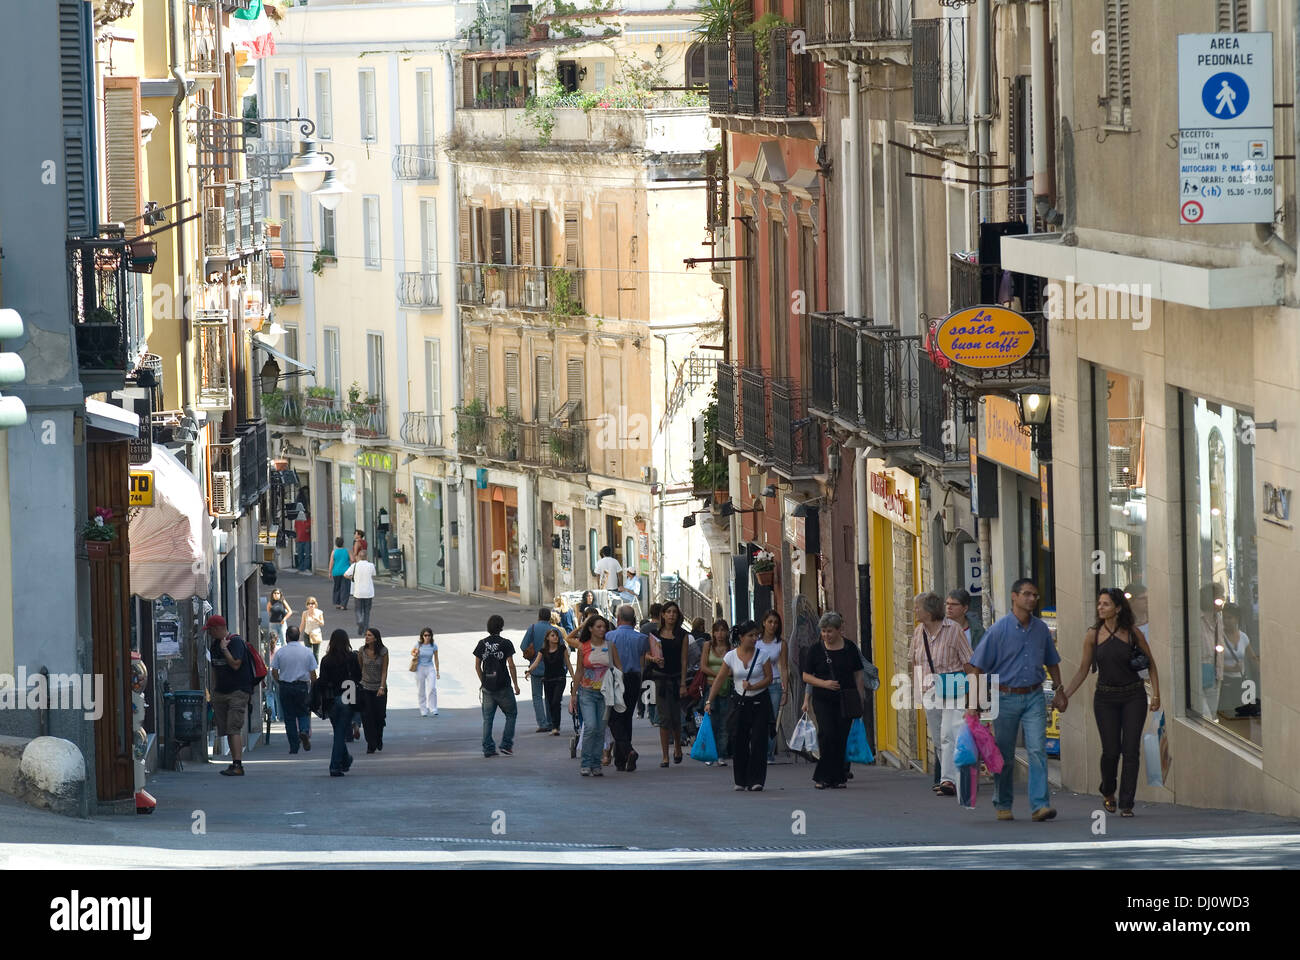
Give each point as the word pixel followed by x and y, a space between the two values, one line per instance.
pixel 712 663
pixel 751 707
pixel 832 669
pixel 1117 650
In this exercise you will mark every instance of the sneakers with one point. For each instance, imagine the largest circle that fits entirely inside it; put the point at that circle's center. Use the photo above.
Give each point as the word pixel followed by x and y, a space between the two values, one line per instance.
pixel 1005 815
pixel 542 730
pixel 434 714
pixel 597 772
pixel 234 770
pixel 336 773
pixel 1043 813
pixel 492 754
pixel 585 772
pixel 507 752
pixel 305 738
pixel 631 761
pixel 424 713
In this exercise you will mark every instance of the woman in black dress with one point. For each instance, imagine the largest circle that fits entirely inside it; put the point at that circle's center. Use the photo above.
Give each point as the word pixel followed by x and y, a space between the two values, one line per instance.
pixel 832 669
pixel 338 668
pixel 1120 701
pixel 672 641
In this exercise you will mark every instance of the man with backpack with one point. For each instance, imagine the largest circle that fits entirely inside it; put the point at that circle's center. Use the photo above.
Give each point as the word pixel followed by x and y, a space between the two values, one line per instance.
pixel 531 645
pixel 232 688
pixel 494 661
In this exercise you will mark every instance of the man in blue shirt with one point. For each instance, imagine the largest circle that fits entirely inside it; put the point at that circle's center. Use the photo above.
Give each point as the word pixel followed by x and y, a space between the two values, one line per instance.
pixel 533 643
pixel 1014 652
pixel 632 646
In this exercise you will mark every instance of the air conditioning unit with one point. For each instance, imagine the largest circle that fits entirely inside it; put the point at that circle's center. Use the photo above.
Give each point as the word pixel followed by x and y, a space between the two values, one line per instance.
pixel 647 474
pixel 1122 474
pixel 222 495
pixel 214 229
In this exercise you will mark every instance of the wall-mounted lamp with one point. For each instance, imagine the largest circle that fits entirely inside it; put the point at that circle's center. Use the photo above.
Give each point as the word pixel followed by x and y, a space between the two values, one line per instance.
pixel 582 73
pixel 659 51
pixel 729 509
pixel 308 168
pixel 770 490
pixel 1034 406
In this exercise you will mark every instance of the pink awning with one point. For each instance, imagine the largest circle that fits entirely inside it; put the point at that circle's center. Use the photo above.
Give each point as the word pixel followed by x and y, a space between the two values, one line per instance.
pixel 171 540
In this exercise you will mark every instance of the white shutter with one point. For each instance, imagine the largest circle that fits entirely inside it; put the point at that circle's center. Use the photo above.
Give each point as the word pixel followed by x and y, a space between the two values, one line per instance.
pixel 432 377
pixel 543 385
pixel 429 236
pixel 333 374
pixel 371 230
pixel 577 383
pixel 512 386
pixel 375 363
pixel 572 234
pixel 291 340
pixel 481 375
pixel 369 122
pixel 1119 75
pixel 122 150
pixel 424 106
pixel 324 106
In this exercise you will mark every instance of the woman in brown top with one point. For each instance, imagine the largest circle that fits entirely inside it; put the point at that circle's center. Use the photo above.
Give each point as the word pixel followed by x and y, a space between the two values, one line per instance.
pixel 1120 701
pixel 373 695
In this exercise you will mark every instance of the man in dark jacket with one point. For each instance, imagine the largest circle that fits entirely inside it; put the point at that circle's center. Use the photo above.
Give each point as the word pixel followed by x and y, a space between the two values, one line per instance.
pixel 232 688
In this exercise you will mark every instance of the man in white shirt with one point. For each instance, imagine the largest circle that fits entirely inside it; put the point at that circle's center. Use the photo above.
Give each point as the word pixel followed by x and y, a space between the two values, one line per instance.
pixel 294 667
pixel 362 575
pixel 631 591
pixel 608 570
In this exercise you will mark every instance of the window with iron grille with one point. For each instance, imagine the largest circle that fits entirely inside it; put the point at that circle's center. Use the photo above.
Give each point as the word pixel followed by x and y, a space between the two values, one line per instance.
pixel 1119 75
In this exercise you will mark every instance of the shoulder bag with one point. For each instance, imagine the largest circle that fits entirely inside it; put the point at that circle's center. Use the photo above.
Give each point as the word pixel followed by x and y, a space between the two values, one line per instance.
pixel 741 702
pixel 850 701
pixel 952 685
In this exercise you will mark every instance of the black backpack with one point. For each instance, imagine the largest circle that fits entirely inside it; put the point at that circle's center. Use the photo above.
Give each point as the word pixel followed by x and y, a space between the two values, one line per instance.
pixel 494 663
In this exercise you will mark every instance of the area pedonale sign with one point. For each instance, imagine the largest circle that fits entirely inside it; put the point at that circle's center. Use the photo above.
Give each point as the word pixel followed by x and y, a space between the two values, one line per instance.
pixel 985 337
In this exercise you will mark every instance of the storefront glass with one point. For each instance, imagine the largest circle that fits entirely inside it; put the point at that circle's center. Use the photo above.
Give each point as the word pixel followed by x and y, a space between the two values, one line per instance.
pixel 347 504
pixel 1121 486
pixel 430 560
pixel 1222 572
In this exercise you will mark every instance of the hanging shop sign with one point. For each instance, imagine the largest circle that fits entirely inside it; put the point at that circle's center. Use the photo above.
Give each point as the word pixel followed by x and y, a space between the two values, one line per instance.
pixel 373 460
pixel 141 492
pixel 1001 439
pixel 292 449
pixel 984 337
pixel 893 495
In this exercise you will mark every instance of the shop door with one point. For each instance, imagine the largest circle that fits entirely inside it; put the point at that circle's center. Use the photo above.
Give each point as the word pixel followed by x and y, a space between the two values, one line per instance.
pixel 382 531
pixel 430 563
pixel 882 629
pixel 512 547
pixel 485 545
pixel 324 518
pixel 546 524
pixel 347 504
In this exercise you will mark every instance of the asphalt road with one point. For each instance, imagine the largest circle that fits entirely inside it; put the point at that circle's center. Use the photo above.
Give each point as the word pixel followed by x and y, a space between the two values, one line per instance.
pixel 431 799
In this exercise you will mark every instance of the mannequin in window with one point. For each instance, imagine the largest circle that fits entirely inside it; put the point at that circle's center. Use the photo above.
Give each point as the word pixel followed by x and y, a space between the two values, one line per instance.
pixel 381 536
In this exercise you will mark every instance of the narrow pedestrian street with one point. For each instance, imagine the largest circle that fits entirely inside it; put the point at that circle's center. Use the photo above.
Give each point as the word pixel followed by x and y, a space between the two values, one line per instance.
pixel 431 798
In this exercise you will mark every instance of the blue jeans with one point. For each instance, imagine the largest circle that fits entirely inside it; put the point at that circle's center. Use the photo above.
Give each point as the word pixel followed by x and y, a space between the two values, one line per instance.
pixel 297 712
pixel 341 719
pixel 539 702
pixel 363 614
pixel 505 699
pixel 776 692
pixel 272 698
pixel 591 704
pixel 302 555
pixel 1027 710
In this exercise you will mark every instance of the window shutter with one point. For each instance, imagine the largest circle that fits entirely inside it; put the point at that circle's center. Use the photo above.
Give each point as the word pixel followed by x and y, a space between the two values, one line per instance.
pixel 512 386
pixel 572 233
pixel 72 93
pixel 576 385
pixel 465 256
pixel 122 148
pixel 1119 75
pixel 497 227
pixel 467 84
pixel 543 389
pixel 481 375
pixel 1233 16
pixel 526 253
pixel 324 106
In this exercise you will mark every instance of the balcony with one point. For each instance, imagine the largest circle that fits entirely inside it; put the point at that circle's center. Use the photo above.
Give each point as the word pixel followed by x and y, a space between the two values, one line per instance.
pixel 323 416
pixel 727 405
pixel 225 478
pixel 417 290
pixel 715 173
pixel 661 125
pixel 265 159
pixel 530 444
pixel 282 408
pixel 971 283
pixel 841 23
pixel 939 72
pixel 796 436
pixel 422 430
pixel 285 284
pixel 107 311
pixel 848 372
pixel 254 476
pixel 202 56
pixel 891 374
pixel 821 357
pixel 556 290
pixel 753 414
pixel 790 84
pixel 416 161
pixel 471 430
pixel 233 219
pixel 564 449
pixel 368 419
pixel 946 411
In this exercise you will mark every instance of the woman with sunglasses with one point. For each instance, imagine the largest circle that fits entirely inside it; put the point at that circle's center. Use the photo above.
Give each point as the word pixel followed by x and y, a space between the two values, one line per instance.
pixel 427 673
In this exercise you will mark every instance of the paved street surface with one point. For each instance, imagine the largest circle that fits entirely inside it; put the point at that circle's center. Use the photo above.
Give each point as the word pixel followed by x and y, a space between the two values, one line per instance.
pixel 431 799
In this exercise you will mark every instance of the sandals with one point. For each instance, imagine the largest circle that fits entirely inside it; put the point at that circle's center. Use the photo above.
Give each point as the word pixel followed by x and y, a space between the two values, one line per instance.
pixel 1109 803
pixel 1128 812
pixel 663 765
pixel 819 786
pixel 947 790
pixel 677 758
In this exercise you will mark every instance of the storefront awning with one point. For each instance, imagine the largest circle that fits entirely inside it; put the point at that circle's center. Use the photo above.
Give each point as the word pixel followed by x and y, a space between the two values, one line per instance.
pixel 111 419
pixel 172 539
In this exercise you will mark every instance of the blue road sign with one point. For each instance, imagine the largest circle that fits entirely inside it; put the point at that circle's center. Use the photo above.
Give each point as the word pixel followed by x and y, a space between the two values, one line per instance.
pixel 1225 96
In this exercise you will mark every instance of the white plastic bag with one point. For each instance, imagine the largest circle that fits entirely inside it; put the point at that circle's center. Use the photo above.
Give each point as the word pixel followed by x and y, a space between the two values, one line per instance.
pixel 1155 751
pixel 804 737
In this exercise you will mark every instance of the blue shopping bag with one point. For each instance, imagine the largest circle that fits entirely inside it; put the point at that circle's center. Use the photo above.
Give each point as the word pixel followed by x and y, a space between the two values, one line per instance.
pixel 704 749
pixel 857 750
pixel 965 753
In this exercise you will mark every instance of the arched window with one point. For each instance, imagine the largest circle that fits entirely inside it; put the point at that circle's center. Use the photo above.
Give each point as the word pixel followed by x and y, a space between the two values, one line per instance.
pixel 696 75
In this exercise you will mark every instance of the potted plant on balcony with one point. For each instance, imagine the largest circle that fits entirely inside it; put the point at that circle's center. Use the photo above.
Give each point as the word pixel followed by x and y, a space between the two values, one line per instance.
pixel 323 257
pixel 561 446
pixel 276 258
pixel 401 496
pixel 471 424
pixel 509 436
pixel 273 228
pixel 99 533
pixel 273 406
pixel 321 393
pixel 764 568
pixel 762 30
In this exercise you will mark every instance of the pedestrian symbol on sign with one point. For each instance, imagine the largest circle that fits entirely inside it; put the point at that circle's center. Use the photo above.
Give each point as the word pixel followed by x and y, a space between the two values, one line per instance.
pixel 1225 95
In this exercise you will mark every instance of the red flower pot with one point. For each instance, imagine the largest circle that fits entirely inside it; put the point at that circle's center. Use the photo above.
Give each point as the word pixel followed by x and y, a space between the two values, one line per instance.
pixel 764 578
pixel 97 549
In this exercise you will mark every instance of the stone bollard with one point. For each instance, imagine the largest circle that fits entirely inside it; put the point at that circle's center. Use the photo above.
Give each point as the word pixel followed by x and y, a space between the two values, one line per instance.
pixel 52 776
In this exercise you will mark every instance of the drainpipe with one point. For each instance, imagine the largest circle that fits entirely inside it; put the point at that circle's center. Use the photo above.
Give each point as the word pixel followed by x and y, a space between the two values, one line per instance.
pixel 178 174
pixel 1265 237
pixel 982 102
pixel 668 452
pixel 465 519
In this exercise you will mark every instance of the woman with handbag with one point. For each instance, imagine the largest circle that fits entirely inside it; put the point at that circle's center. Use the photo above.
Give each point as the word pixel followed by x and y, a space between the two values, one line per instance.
pixel 712 663
pixel 751 706
pixel 338 668
pixel 553 662
pixel 832 669
pixel 938 654
pixel 425 666
pixel 1118 651
pixel 672 643
pixel 312 626
pixel 595 658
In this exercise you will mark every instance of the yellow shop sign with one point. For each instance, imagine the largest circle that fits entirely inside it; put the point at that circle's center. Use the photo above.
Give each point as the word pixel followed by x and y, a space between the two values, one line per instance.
pixel 985 337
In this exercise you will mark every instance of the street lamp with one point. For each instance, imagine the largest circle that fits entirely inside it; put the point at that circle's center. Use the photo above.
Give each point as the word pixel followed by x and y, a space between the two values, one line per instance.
pixel 270 375
pixel 308 168
pixel 331 191
pixel 1034 407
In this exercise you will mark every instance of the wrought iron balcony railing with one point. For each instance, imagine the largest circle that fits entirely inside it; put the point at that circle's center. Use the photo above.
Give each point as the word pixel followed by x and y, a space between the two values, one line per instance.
pixel 285 283
pixel 857 21
pixel 848 369
pixel 202 55
pixel 557 290
pixel 754 438
pixel 563 448
pixel 369 419
pixel 282 408
pixel 106 303
pixel 939 71
pixel 322 415
pixel 745 94
pixel 891 386
pixel 421 429
pixel 514 441
pixel 416 161
pixel 792 89
pixel 417 289
pixel 727 404
pixel 945 414
pixel 796 436
pixel 821 350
